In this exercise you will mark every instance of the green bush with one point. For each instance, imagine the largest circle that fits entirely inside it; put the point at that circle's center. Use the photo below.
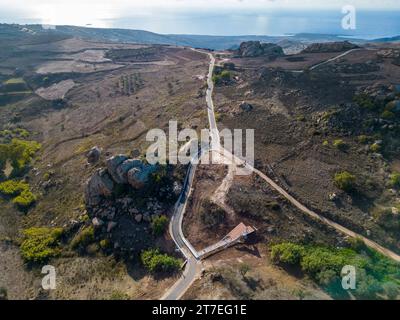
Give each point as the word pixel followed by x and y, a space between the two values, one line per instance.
pixel 13 187
pixel 83 238
pixel 363 139
pixel 159 224
pixel 395 180
pixel 340 144
pixel 19 152
pixel 345 181
pixel 104 244
pixel 289 253
pixel 154 261
pixel 376 274
pixel 364 101
pixel 23 197
pixel 375 147
pixel 40 244
pixel 388 115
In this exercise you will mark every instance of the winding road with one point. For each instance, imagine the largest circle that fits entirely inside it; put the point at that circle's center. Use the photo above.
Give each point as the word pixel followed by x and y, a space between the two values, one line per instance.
pixel 193 265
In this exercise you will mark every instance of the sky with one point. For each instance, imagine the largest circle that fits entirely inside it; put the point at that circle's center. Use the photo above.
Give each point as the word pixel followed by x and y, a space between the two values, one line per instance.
pixel 164 15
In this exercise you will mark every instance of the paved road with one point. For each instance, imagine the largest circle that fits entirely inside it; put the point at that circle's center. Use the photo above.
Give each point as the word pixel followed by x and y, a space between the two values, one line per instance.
pixel 193 263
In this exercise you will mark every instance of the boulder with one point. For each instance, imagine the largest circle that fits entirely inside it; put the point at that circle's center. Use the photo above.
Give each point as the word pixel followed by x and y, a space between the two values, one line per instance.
pixel 111 225
pixel 93 156
pixel 257 49
pixel 112 165
pixel 139 176
pixel 122 170
pixel 246 106
pixel 138 218
pixel 97 222
pixel 98 186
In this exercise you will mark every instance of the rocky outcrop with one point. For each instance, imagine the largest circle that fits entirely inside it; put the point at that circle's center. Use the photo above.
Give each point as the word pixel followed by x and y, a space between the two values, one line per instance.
pixel 139 175
pixel 120 170
pixel 112 164
pixel 93 156
pixel 98 186
pixel 258 49
pixel 330 47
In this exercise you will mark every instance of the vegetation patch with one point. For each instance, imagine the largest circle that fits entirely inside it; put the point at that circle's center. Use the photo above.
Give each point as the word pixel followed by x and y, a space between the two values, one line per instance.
pixel 83 238
pixel 159 225
pixel 154 261
pixel 19 191
pixel 376 276
pixel 40 244
pixel 19 153
pixel 395 180
pixel 345 181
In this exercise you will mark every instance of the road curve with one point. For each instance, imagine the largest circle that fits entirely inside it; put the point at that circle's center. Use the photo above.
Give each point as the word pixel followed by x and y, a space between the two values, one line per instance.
pixel 193 263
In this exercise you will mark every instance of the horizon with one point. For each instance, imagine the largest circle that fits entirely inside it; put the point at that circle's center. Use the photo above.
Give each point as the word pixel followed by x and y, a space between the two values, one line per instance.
pixel 375 19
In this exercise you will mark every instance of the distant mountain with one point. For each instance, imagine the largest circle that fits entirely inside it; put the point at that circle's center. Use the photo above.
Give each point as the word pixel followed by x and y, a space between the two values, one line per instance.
pixel 389 39
pixel 146 37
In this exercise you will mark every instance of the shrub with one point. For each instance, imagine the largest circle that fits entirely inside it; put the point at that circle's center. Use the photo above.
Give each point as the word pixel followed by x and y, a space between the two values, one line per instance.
pixel 388 115
pixel 23 197
pixel 345 181
pixel 364 101
pixel 118 295
pixel 104 244
pixel 83 238
pixel 13 187
pixel 289 253
pixel 363 139
pixel 395 180
pixel 154 261
pixel 375 147
pixel 40 244
pixel 340 144
pixel 19 152
pixel 159 224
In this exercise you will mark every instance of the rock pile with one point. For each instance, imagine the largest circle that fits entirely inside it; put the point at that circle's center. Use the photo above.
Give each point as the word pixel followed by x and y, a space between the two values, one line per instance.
pixel 258 49
pixel 120 170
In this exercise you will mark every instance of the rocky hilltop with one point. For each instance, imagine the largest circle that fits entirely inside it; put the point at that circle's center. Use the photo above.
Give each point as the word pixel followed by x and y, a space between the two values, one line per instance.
pixel 120 170
pixel 338 46
pixel 124 196
pixel 258 49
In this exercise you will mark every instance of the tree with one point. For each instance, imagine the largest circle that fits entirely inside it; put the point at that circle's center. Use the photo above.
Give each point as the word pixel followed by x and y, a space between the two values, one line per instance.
pixel 154 261
pixel 159 224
